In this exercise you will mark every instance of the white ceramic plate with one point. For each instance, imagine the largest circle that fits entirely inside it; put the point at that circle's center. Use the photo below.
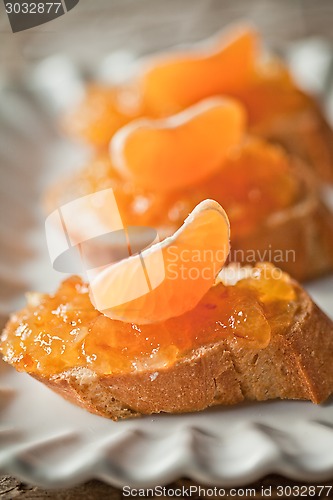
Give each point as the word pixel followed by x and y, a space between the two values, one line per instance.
pixel 51 443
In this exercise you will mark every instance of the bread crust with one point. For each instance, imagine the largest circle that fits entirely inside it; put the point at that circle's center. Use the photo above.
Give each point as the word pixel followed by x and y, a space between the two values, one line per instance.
pixel 297 364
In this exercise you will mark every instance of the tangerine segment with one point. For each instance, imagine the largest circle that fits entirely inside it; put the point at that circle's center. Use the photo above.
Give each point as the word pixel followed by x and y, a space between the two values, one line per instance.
pixel 102 112
pixel 178 80
pixel 169 278
pixel 181 150
pixel 62 331
pixel 257 179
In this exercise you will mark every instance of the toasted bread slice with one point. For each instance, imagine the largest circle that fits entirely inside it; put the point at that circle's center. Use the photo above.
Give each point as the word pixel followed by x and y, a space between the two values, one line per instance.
pixel 298 238
pixel 295 364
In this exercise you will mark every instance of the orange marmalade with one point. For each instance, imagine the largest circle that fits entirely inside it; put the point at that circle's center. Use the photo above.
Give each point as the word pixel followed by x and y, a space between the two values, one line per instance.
pixel 256 180
pixel 62 331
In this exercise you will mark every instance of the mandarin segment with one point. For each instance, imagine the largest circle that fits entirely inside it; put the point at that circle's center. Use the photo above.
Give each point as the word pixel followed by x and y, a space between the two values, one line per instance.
pixel 257 179
pixel 179 151
pixel 170 277
pixel 178 80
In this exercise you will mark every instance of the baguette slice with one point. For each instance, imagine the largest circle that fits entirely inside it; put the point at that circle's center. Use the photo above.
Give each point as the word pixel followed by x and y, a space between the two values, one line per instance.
pixel 298 239
pixel 296 364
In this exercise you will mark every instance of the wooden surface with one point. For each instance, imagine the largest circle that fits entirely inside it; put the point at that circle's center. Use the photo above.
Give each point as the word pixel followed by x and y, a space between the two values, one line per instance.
pixel 13 489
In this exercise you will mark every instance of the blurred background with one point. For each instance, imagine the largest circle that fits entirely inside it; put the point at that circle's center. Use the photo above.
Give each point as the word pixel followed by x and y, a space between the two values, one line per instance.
pixel 94 28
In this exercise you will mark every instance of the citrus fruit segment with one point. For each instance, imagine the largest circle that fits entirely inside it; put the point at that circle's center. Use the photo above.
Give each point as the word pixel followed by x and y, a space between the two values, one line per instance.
pixel 168 278
pixel 177 80
pixel 181 150
pixel 101 113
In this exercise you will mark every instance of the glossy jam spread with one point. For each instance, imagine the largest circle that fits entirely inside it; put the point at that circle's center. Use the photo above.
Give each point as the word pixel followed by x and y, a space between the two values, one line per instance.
pixel 255 181
pixel 272 93
pixel 57 332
